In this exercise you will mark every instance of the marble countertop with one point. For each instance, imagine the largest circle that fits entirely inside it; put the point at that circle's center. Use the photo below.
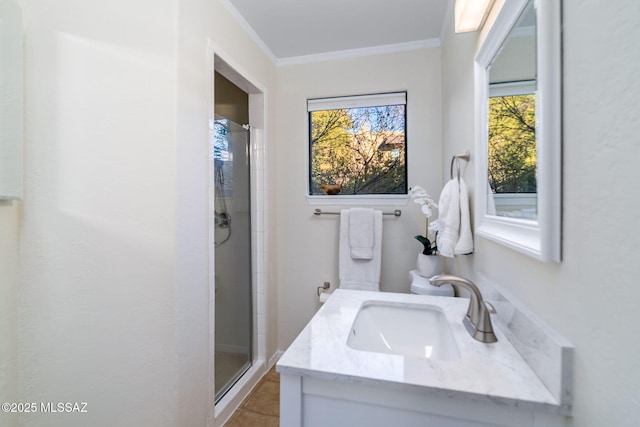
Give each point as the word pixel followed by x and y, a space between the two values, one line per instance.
pixel 490 373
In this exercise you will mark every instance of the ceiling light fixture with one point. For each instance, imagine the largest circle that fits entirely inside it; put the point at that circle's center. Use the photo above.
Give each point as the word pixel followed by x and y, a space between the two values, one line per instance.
pixel 471 14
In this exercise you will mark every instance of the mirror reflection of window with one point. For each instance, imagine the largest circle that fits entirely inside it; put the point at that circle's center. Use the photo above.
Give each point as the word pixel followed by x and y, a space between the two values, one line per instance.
pixel 512 122
pixel 512 152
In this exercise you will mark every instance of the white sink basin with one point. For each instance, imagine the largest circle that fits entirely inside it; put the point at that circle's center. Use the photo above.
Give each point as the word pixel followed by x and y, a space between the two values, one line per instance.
pixel 413 330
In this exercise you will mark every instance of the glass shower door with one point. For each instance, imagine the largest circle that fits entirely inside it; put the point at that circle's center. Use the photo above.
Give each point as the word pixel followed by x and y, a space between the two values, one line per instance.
pixel 229 155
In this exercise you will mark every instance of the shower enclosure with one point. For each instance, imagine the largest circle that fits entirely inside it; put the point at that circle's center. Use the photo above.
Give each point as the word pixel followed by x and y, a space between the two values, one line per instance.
pixel 230 196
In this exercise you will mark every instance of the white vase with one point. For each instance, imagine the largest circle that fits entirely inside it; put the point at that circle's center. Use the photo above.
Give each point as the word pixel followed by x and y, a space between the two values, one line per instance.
pixel 429 265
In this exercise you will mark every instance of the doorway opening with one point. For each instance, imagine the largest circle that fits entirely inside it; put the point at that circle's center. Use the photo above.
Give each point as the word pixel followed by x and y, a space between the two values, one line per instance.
pixel 238 269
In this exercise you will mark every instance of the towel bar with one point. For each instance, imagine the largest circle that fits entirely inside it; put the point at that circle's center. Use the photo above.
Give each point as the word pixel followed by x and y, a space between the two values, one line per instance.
pixel 396 212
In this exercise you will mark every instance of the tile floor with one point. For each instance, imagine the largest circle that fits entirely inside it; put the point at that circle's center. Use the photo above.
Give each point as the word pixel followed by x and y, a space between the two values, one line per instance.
pixel 262 406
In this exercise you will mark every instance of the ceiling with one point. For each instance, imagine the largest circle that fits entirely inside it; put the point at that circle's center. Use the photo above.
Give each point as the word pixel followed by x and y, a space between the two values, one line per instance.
pixel 294 28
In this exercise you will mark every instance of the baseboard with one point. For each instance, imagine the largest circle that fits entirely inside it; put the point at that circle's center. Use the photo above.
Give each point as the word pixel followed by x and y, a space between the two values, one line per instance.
pixel 274 359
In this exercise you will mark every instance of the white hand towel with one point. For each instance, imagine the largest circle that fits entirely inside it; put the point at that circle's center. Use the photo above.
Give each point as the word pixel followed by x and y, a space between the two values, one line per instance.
pixel 449 218
pixel 454 237
pixel 361 233
pixel 464 245
pixel 361 274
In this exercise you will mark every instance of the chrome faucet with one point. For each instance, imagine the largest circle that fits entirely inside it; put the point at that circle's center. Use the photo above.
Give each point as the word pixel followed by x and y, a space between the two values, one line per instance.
pixel 478 320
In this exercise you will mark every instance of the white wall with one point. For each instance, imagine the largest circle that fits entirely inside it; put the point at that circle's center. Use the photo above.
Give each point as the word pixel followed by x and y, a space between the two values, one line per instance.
pixel 591 297
pixel 8 308
pixel 11 48
pixel 96 311
pixel 202 22
pixel 307 245
pixel 113 304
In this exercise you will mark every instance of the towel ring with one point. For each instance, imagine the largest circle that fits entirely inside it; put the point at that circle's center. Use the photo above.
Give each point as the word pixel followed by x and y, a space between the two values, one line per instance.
pixel 466 156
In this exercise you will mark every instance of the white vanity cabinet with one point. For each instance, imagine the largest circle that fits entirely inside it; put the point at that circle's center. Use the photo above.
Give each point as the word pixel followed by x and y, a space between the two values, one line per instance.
pixel 312 402
pixel 324 382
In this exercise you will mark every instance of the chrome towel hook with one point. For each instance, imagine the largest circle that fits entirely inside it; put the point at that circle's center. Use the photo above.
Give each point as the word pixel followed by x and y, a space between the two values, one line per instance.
pixel 466 156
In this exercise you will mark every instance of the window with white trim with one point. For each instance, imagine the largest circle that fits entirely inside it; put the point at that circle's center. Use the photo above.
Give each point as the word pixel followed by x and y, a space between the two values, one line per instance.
pixel 357 145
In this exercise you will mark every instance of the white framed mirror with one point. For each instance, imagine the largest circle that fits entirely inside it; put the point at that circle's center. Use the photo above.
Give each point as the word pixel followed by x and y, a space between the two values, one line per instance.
pixel 518 129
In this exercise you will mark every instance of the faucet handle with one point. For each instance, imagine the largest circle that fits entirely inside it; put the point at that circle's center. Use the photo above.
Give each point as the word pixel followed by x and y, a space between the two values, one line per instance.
pixel 490 308
pixel 484 328
pixel 478 320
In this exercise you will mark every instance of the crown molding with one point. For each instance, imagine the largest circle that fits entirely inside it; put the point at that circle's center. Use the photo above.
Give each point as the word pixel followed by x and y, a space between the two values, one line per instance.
pixel 252 34
pixel 327 56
